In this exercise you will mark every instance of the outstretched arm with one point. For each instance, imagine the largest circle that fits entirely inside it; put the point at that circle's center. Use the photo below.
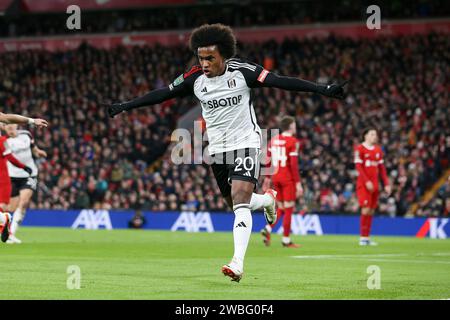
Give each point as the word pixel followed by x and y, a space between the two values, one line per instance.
pixel 10 118
pixel 151 98
pixel 296 84
pixel 180 87
pixel 256 76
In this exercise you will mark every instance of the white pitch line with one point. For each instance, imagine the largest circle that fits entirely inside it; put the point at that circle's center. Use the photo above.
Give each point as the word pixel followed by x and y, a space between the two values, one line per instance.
pixel 350 256
pixel 409 261
pixel 441 254
pixel 371 257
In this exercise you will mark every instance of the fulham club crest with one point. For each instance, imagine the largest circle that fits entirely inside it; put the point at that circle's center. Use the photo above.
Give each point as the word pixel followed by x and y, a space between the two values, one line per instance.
pixel 231 83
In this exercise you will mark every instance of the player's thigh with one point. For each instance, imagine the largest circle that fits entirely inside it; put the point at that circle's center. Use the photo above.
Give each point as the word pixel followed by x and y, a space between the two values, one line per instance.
pixel 374 200
pixel 364 197
pixel 289 194
pixel 221 175
pixel 278 187
pixel 241 191
pixel 285 194
pixel 244 173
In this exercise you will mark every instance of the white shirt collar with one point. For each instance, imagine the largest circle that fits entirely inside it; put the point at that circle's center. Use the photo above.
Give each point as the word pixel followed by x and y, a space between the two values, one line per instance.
pixel 368 147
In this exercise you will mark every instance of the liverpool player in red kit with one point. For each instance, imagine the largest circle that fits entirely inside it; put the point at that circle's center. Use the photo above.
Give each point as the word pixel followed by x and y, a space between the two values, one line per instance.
pixel 369 163
pixel 283 151
pixel 6 155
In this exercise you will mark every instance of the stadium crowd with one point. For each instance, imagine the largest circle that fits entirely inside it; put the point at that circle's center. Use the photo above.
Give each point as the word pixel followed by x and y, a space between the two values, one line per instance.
pixel 409 110
pixel 396 83
pixel 88 153
pixel 236 14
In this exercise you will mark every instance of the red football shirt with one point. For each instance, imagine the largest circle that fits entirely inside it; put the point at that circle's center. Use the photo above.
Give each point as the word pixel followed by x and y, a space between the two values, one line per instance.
pixel 368 161
pixel 283 151
pixel 4 151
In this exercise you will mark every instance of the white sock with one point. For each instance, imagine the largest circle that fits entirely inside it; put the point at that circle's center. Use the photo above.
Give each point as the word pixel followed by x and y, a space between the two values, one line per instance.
pixel 2 218
pixel 286 240
pixel 260 201
pixel 241 232
pixel 17 220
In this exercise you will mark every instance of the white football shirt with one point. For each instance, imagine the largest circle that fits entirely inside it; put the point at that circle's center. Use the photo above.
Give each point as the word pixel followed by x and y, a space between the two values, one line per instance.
pixel 226 102
pixel 21 149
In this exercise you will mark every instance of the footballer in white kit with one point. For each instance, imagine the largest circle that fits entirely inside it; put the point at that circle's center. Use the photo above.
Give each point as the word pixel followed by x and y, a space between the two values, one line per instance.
pixel 22 145
pixel 223 86
pixel 5 183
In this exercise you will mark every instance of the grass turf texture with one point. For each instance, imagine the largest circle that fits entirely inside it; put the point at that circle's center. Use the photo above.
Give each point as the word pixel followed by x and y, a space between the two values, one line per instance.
pixel 130 264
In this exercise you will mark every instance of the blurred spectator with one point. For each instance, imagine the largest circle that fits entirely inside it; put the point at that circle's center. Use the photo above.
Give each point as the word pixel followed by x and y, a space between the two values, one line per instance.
pixel 439 205
pixel 138 221
pixel 238 14
pixel 396 83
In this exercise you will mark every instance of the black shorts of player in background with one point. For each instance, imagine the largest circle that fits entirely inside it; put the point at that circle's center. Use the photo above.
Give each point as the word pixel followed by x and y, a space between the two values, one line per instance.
pixel 242 164
pixel 18 184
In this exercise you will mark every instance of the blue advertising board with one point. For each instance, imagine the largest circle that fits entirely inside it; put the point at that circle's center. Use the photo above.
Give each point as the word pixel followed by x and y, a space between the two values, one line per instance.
pixel 223 221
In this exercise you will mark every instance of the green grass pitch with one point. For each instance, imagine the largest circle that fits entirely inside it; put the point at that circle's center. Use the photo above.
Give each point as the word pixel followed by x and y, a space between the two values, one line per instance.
pixel 136 264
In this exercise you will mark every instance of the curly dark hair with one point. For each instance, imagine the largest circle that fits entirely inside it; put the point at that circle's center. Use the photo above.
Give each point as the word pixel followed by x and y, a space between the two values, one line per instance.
pixel 214 34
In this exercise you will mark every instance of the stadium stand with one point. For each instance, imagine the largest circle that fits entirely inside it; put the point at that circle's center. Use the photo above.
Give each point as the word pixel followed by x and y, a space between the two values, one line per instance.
pixel 82 140
pixel 88 167
pixel 415 144
pixel 28 22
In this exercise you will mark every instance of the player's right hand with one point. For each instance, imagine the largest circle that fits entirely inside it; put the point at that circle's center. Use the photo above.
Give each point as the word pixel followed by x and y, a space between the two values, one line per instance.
pixel 40 123
pixel 28 170
pixel 369 186
pixel 115 108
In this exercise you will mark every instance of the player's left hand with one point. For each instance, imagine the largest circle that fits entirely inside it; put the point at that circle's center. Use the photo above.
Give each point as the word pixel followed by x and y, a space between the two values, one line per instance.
pixel 40 123
pixel 28 170
pixel 333 90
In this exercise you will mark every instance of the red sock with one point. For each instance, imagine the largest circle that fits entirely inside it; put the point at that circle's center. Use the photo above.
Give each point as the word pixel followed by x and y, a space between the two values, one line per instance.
pixel 363 223
pixel 369 224
pixel 287 221
pixel 279 214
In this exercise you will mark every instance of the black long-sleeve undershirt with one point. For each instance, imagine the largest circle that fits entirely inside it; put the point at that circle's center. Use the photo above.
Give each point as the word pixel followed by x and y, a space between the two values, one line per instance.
pixel 272 80
pixel 151 98
pixel 289 83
